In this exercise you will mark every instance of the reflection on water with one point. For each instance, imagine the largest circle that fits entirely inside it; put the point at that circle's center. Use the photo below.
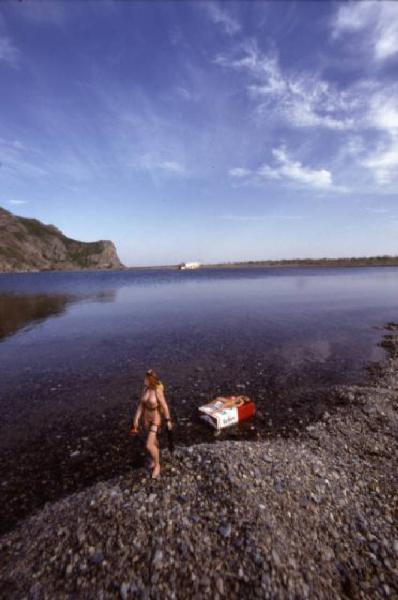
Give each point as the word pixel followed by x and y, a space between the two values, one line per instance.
pixel 17 312
pixel 283 327
pixel 20 311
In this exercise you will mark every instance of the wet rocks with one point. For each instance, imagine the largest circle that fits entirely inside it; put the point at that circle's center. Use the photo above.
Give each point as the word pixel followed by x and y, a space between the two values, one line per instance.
pixel 225 530
pixel 223 521
pixel 306 516
pixel 157 561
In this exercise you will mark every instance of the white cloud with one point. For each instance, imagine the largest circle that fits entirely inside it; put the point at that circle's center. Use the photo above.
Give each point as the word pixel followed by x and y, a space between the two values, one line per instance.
pixel 289 217
pixel 383 109
pixel 368 109
pixel 8 52
pixel 16 160
pixel 172 166
pixel 378 20
pixel 15 202
pixel 239 172
pixel 247 218
pixel 264 68
pixel 373 25
pixel 268 172
pixel 383 116
pixel 384 161
pixel 295 171
pixel 377 211
pixel 185 93
pixel 286 169
pixel 151 163
pixel 301 99
pixel 250 218
pixel 221 17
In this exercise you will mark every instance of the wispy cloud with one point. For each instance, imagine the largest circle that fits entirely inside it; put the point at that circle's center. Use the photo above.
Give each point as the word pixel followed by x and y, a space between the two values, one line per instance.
pixel 291 170
pixel 373 26
pixel 377 210
pixel 17 202
pixel 185 93
pixel 301 99
pixel 172 166
pixel 377 20
pixel 383 162
pixel 285 170
pixel 305 100
pixel 8 52
pixel 243 218
pixel 256 218
pixel 149 162
pixel 42 11
pixel 58 14
pixel 221 17
pixel 16 161
pixel 239 172
pixel 19 160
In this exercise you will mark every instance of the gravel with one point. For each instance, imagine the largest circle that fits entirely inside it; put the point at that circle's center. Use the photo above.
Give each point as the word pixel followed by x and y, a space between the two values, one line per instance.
pixel 312 515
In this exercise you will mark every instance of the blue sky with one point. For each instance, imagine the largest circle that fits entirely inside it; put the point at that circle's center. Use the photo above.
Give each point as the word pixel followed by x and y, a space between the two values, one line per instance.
pixel 211 131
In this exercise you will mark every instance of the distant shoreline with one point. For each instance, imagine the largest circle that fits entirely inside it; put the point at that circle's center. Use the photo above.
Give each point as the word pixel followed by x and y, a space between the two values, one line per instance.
pixel 377 261
pixel 322 262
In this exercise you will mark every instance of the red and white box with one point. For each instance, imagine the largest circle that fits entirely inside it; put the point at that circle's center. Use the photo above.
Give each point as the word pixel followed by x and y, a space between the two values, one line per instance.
pixel 225 411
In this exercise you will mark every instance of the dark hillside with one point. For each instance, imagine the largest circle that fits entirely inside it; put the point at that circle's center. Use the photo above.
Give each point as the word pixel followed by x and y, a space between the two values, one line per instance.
pixel 29 245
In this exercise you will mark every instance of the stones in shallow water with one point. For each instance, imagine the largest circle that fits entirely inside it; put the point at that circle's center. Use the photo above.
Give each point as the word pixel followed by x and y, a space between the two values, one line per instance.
pixel 219 526
pixel 279 487
pixel 275 557
pixel 96 557
pixel 275 540
pixel 225 530
pixel 124 590
pixel 220 585
pixel 157 561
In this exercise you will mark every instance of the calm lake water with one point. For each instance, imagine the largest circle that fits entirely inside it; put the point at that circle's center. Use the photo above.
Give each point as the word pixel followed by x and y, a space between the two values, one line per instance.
pixel 314 323
pixel 74 347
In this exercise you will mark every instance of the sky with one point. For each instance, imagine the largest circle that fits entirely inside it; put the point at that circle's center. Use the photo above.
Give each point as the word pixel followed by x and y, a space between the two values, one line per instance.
pixel 202 130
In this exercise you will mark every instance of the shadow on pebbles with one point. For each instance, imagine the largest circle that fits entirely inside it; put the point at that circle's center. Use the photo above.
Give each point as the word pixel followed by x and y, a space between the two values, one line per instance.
pixel 310 516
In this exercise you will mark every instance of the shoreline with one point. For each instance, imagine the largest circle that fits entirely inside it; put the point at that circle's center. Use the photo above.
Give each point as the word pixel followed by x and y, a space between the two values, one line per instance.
pixel 305 515
pixel 327 263
pixel 71 443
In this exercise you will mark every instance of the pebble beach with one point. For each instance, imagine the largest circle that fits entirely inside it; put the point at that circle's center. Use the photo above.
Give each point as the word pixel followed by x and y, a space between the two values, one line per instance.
pixel 307 515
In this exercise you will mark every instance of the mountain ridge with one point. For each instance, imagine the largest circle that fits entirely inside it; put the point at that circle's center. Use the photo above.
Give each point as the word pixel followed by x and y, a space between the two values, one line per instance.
pixel 30 245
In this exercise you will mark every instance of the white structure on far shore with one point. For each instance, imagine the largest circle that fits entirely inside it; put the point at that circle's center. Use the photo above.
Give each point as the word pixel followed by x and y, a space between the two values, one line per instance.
pixel 189 265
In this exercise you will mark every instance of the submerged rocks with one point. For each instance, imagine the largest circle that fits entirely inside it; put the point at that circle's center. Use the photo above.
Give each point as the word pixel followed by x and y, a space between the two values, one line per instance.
pixel 225 530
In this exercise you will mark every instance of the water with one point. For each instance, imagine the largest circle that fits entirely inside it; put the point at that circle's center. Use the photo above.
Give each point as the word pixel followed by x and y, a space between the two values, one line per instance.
pixel 102 324
pixel 74 347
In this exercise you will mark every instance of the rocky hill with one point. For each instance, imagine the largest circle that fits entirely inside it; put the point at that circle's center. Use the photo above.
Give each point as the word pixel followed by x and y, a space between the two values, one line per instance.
pixel 29 245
